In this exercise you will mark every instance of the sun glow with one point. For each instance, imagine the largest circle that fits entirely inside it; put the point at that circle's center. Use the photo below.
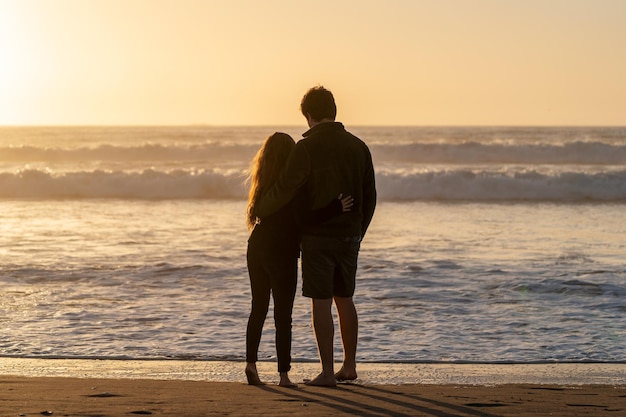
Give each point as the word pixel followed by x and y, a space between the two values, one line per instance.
pixel 243 62
pixel 13 81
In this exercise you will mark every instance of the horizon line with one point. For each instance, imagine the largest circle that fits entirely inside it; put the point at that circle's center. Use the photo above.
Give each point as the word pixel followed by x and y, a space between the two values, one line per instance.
pixel 304 125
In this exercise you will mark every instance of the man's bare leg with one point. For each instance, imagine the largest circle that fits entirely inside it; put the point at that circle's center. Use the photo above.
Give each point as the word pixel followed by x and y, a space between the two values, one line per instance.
pixel 324 333
pixel 349 327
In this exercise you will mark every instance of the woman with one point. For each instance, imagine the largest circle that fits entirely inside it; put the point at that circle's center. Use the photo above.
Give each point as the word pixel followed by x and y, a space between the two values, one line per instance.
pixel 273 251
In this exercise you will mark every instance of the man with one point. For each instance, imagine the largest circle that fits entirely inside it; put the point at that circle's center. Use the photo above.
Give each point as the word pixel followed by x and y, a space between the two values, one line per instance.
pixel 327 162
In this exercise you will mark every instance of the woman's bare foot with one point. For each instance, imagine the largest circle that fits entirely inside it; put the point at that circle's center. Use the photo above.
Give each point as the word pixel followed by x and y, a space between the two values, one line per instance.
pixel 285 381
pixel 252 375
pixel 346 375
pixel 322 381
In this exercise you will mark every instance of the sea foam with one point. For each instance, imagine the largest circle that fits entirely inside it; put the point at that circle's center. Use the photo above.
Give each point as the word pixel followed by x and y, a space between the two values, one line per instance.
pixel 444 184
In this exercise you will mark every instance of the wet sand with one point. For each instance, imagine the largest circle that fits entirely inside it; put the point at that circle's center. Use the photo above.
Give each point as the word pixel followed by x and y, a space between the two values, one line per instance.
pixel 30 387
pixel 369 373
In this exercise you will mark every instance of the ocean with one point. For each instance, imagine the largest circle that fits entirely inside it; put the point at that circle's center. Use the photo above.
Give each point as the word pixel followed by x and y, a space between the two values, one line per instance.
pixel 489 245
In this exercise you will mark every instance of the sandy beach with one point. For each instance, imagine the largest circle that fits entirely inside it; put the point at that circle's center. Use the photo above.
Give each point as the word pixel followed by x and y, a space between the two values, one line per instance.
pixel 22 396
pixel 62 387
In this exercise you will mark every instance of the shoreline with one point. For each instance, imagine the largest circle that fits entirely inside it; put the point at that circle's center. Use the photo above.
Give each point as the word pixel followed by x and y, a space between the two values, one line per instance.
pixel 112 388
pixel 613 374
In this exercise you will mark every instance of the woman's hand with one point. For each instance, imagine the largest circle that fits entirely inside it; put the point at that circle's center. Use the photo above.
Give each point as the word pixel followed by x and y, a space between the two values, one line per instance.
pixel 346 202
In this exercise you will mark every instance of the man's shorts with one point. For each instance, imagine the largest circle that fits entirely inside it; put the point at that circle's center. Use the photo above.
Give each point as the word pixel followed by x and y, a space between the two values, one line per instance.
pixel 329 266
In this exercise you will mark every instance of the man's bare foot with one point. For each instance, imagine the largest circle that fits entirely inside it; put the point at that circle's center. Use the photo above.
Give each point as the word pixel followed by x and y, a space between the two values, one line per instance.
pixel 252 375
pixel 346 375
pixel 322 381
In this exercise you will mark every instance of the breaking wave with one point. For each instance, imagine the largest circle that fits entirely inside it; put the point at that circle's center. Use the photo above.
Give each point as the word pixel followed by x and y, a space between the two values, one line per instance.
pixel 578 153
pixel 445 185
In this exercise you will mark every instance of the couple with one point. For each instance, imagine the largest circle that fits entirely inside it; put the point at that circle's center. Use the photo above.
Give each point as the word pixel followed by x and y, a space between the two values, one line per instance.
pixel 297 201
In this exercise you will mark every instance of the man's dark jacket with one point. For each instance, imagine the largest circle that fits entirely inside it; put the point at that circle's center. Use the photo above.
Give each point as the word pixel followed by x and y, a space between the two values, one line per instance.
pixel 327 162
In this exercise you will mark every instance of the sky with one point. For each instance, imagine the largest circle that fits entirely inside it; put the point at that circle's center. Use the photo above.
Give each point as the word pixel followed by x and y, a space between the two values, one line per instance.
pixel 248 62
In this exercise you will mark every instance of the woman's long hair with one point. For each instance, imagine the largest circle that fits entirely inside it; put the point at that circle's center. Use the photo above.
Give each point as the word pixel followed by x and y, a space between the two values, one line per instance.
pixel 265 169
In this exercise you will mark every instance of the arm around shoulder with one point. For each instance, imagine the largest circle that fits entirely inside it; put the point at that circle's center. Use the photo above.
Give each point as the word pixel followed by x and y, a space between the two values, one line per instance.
pixel 292 178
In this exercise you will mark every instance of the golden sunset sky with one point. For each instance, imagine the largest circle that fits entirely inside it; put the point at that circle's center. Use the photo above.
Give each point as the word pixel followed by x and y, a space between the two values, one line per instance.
pixel 248 62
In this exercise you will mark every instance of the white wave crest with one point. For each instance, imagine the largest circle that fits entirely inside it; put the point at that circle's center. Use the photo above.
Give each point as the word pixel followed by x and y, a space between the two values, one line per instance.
pixel 145 152
pixel 468 185
pixel 147 184
pixel 574 153
pixel 446 185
